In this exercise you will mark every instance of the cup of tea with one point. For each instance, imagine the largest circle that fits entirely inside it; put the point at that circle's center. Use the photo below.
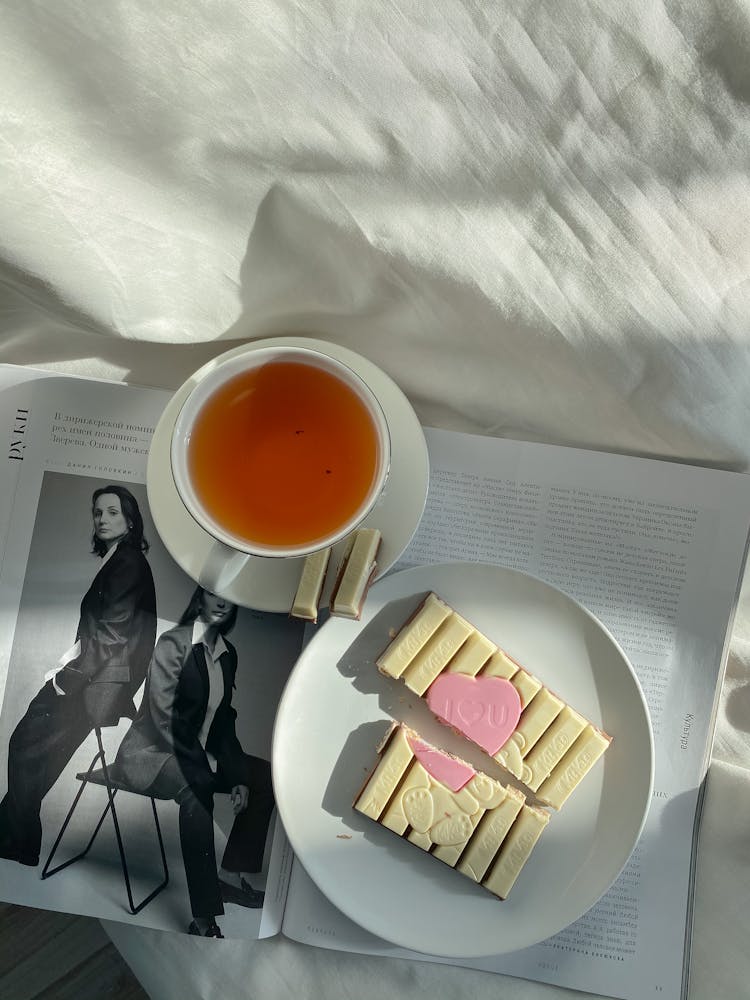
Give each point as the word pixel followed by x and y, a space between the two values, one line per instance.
pixel 277 453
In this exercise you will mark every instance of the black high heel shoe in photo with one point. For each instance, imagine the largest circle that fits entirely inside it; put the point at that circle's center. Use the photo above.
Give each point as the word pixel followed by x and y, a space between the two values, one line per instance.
pixel 212 930
pixel 243 894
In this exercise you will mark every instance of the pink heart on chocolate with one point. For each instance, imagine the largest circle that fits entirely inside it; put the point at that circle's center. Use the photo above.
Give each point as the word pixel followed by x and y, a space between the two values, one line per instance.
pixel 484 709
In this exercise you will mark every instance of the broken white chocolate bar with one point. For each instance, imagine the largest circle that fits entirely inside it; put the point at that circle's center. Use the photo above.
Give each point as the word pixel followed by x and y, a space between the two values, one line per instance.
pixel 356 573
pixel 478 690
pixel 312 578
pixel 459 815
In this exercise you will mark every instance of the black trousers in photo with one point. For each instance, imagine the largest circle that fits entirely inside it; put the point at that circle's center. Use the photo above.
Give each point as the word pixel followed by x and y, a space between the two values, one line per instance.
pixel 41 745
pixel 246 843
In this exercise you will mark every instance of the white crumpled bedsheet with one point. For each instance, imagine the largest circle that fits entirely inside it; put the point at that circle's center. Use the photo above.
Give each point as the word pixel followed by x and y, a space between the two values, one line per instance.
pixel 535 216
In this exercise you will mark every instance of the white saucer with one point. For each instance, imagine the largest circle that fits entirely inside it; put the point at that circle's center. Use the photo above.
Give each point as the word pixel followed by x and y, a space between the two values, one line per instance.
pixel 270 584
pixel 336 707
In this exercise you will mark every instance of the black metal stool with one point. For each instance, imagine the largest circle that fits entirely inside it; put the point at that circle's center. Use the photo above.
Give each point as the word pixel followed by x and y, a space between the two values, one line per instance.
pixel 109 778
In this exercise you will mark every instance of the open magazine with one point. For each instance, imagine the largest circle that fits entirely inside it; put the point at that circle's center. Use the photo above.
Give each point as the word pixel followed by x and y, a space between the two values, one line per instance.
pixel 655 549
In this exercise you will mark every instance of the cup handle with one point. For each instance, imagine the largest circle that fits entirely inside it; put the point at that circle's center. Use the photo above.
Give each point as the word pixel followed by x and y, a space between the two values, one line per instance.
pixel 221 568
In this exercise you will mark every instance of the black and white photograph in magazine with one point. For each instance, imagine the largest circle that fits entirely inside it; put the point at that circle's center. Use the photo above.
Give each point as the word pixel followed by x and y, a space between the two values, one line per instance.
pixel 135 733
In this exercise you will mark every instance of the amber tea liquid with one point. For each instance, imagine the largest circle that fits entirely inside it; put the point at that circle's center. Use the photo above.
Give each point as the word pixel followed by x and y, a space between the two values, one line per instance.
pixel 283 454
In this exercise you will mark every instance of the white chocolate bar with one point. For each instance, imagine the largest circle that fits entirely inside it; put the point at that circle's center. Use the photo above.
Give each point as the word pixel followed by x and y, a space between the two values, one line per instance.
pixel 491 831
pixel 551 746
pixel 577 762
pixel 409 642
pixel 436 640
pixel 537 718
pixel 473 654
pixel 396 756
pixel 436 653
pixel 357 571
pixel 312 578
pixel 482 828
pixel 515 850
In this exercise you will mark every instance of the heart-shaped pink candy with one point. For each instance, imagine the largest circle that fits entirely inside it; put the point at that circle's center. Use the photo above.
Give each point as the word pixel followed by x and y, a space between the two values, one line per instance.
pixel 484 709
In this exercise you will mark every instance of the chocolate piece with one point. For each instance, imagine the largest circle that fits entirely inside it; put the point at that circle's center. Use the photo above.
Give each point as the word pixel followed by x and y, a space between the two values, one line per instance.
pixel 461 816
pixel 576 763
pixel 436 653
pixel 409 641
pixel 312 578
pixel 551 746
pixel 515 850
pixel 356 573
pixel 493 701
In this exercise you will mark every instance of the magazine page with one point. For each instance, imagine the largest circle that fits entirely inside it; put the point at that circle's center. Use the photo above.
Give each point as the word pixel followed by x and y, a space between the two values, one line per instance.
pixel 65 597
pixel 656 551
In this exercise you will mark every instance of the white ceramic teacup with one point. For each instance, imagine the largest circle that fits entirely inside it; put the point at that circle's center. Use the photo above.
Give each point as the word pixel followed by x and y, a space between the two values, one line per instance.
pixel 230 551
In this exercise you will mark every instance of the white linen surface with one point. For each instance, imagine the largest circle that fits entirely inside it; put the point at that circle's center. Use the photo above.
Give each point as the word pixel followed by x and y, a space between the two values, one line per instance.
pixel 535 216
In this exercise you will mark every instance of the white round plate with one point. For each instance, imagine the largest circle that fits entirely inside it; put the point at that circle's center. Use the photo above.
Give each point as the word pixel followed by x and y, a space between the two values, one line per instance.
pixel 337 706
pixel 270 584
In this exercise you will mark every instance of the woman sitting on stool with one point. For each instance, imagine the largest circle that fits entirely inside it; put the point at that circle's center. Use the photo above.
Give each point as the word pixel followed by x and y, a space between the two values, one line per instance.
pixel 183 746
pixel 95 680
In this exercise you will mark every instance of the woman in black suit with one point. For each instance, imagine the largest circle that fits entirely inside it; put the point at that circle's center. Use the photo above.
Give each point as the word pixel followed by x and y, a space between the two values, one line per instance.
pixel 183 746
pixel 95 680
